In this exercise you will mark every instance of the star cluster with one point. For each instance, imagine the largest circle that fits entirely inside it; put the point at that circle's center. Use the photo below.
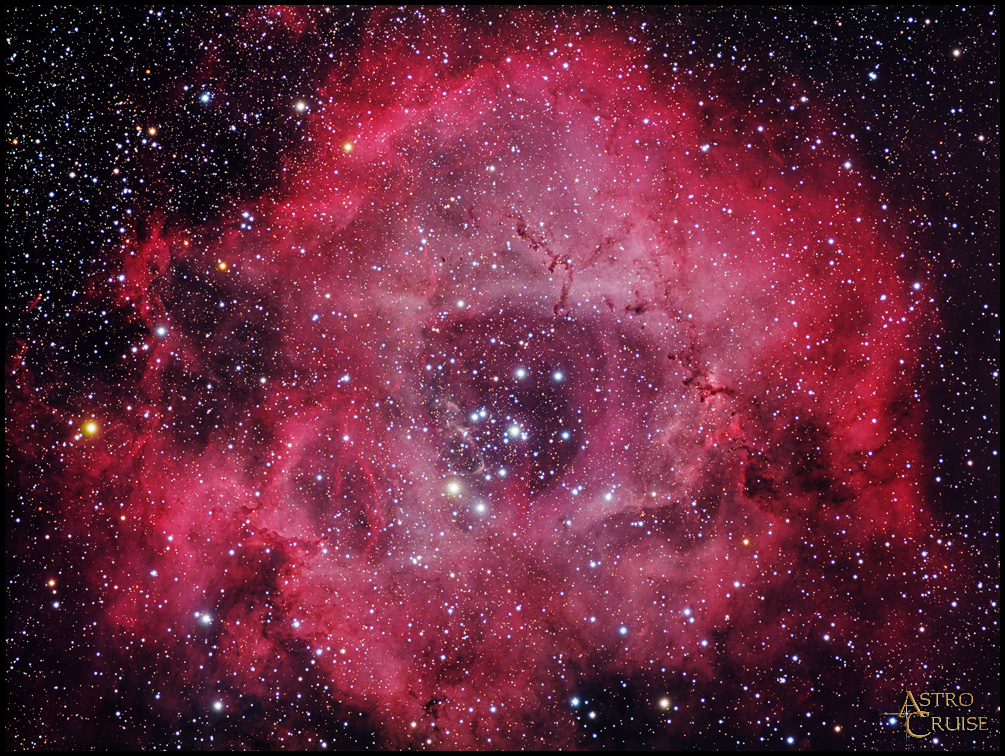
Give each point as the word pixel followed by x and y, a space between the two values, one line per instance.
pixel 466 378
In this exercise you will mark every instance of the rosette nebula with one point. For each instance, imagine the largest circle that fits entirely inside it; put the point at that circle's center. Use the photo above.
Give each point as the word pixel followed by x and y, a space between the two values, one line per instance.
pixel 552 388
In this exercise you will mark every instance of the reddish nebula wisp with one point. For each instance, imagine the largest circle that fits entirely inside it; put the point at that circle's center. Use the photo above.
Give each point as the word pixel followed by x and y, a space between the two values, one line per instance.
pixel 549 380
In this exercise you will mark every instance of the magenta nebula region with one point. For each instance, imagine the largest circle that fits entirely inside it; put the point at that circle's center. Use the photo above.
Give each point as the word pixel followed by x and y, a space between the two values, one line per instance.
pixel 553 397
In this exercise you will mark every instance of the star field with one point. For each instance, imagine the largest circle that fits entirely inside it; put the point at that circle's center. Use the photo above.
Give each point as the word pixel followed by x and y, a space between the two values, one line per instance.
pixel 463 378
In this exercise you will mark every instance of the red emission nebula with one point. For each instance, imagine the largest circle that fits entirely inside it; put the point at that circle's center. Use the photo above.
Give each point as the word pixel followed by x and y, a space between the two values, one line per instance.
pixel 547 391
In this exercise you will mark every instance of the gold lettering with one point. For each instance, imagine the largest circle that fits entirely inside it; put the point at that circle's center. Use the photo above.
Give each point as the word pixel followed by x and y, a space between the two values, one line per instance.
pixel 968 695
pixel 937 724
pixel 909 702
pixel 924 699
pixel 982 723
pixel 950 699
pixel 952 729
pixel 907 724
